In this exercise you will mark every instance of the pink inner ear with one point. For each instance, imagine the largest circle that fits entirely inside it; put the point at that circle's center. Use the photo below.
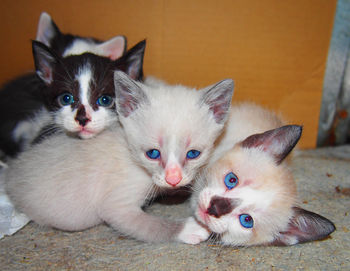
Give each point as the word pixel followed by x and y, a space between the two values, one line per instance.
pixel 45 31
pixel 218 112
pixel 114 55
pixel 47 74
pixel 128 108
pixel 113 48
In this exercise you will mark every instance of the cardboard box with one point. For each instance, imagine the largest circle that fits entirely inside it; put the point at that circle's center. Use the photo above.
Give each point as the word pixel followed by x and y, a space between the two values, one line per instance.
pixel 275 51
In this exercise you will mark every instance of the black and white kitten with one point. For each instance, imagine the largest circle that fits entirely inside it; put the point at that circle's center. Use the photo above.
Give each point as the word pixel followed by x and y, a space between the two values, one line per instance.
pixel 79 91
pixel 21 99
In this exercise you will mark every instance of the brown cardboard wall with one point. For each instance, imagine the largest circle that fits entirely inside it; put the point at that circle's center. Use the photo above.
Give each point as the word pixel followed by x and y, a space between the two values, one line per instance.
pixel 274 50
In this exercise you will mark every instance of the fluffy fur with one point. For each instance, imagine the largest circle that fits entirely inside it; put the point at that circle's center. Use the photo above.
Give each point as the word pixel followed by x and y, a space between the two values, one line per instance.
pixel 72 185
pixel 22 114
pixel 264 186
pixel 85 80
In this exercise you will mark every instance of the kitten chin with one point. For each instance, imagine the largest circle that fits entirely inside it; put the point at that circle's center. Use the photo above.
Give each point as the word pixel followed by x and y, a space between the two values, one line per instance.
pixel 100 120
pixel 248 195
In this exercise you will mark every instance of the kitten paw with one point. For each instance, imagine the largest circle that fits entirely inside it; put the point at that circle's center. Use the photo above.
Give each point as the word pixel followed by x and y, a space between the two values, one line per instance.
pixel 193 233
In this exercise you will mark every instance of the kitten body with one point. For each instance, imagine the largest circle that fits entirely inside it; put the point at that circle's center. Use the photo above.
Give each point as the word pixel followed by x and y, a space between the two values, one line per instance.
pixel 22 111
pixel 248 195
pixel 71 185
pixel 244 119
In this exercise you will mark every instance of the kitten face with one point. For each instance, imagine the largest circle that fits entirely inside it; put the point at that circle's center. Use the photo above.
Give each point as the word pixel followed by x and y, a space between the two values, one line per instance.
pixel 172 132
pixel 67 44
pixel 265 194
pixel 80 88
pixel 248 196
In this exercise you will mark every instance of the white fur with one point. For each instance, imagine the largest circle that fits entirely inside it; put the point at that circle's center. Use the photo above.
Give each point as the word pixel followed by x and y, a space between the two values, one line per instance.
pixel 244 120
pixel 99 119
pixel 112 48
pixel 172 121
pixel 79 46
pixel 266 191
pixel 193 233
pixel 84 78
pixel 72 185
pixel 25 131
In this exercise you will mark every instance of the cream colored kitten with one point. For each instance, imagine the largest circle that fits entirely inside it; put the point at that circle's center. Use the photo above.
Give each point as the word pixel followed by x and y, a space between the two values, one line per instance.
pixel 248 195
pixel 72 184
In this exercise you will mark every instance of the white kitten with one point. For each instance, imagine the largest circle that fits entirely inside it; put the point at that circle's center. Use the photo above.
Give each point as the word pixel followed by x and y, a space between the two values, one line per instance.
pixel 248 196
pixel 72 184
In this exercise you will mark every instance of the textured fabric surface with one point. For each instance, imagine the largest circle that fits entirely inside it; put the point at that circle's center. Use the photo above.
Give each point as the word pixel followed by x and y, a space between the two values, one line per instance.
pixel 323 179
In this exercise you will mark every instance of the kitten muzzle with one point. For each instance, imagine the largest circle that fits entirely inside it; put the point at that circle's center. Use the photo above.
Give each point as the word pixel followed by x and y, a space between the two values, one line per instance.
pixel 219 206
pixel 81 116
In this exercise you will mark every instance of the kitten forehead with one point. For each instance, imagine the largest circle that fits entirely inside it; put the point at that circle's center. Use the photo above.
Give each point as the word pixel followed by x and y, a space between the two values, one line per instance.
pixel 253 199
pixel 84 79
pixel 181 111
pixel 257 166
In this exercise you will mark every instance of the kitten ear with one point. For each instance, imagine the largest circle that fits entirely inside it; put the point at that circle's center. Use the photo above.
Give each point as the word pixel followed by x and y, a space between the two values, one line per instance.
pixel 277 142
pixel 113 48
pixel 218 98
pixel 128 94
pixel 305 226
pixel 47 29
pixel 131 63
pixel 44 60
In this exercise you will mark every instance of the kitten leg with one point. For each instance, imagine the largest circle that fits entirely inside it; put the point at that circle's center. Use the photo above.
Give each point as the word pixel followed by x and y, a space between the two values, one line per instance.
pixel 142 226
pixel 193 233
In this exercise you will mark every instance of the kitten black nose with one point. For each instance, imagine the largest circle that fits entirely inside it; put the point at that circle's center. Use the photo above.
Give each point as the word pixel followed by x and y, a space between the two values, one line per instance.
pixel 219 206
pixel 81 116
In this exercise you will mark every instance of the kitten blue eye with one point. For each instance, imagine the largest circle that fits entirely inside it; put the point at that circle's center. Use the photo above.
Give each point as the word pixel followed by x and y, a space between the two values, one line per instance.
pixel 65 99
pixel 105 101
pixel 231 180
pixel 153 154
pixel 192 154
pixel 246 221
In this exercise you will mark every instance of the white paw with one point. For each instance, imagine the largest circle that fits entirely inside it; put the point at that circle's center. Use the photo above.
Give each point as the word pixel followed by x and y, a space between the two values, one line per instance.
pixel 193 233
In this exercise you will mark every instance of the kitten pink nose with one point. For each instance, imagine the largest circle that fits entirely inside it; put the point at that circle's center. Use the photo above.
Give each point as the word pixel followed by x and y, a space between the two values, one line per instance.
pixel 82 116
pixel 173 175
